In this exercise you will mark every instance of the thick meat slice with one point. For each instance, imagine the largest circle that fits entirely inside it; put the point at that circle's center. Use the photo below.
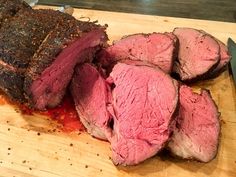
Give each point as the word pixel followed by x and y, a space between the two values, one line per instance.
pixel 199 53
pixel 173 37
pixel 196 135
pixel 92 96
pixel 224 59
pixel 8 8
pixel 156 49
pixel 19 39
pixel 52 66
pixel 144 100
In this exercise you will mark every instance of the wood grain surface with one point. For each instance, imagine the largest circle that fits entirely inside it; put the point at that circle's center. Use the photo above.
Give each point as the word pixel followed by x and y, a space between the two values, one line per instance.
pixel 30 147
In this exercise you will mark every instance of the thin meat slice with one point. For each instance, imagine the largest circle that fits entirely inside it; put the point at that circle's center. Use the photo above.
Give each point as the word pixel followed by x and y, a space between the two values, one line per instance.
pixel 92 96
pixel 157 49
pixel 199 54
pixel 144 100
pixel 197 131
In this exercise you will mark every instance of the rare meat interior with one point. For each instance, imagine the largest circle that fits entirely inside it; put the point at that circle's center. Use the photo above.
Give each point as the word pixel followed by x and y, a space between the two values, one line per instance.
pixel 50 87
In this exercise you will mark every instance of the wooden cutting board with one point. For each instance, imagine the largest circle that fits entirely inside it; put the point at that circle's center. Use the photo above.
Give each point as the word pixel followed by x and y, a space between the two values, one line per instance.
pixel 24 152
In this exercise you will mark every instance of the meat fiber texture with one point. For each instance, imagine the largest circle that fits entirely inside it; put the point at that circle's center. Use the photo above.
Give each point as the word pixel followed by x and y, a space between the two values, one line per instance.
pixel 197 131
pixel 19 40
pixel 199 54
pixel 156 49
pixel 92 96
pixel 52 66
pixel 144 100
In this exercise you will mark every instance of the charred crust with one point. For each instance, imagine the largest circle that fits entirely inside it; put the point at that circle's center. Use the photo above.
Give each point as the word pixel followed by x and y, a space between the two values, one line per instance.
pixel 9 8
pixel 10 84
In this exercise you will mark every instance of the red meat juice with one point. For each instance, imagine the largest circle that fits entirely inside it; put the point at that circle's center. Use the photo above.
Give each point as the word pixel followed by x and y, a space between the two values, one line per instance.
pixel 65 114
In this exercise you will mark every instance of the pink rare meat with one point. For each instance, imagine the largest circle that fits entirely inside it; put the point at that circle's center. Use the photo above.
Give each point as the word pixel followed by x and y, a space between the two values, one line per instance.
pixel 199 53
pixel 197 131
pixel 144 100
pixel 155 49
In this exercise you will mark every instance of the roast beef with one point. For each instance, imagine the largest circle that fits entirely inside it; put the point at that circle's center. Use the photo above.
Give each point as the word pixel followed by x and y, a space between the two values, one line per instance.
pixel 196 135
pixel 92 96
pixel 173 37
pixel 144 100
pixel 9 8
pixel 152 49
pixel 199 54
pixel 32 40
pixel 11 80
pixel 224 59
pixel 52 66
pixel 19 39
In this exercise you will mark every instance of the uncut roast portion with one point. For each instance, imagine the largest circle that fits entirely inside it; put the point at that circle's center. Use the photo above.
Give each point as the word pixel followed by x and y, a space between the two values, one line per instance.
pixel 36 45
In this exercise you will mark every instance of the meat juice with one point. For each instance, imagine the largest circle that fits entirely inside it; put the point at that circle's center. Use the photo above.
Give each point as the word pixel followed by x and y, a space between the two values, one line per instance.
pixel 65 114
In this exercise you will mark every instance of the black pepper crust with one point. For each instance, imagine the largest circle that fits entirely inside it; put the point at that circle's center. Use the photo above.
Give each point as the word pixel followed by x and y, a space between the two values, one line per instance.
pixel 22 36
pixel 9 8
pixel 56 40
pixel 11 83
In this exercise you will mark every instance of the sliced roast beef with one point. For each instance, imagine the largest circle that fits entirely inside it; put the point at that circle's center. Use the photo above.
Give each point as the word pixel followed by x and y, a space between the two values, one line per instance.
pixel 224 59
pixel 156 49
pixel 52 66
pixel 196 135
pixel 9 8
pixel 199 54
pixel 173 37
pixel 19 39
pixel 92 96
pixel 144 100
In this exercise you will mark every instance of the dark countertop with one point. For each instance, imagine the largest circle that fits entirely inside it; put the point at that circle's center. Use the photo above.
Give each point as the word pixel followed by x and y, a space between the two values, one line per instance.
pixel 219 10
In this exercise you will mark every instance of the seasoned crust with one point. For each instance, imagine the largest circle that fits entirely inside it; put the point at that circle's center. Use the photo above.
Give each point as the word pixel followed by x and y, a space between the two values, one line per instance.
pixel 21 37
pixel 10 83
pixel 9 8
